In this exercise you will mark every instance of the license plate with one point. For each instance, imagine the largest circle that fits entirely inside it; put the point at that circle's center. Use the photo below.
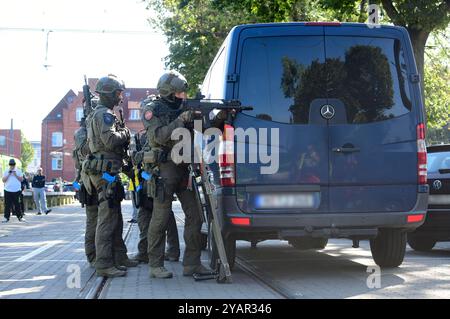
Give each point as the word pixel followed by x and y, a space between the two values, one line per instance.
pixel 439 200
pixel 297 200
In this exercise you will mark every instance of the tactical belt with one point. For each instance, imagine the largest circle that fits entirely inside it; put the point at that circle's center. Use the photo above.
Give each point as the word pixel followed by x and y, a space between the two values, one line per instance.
pixel 97 164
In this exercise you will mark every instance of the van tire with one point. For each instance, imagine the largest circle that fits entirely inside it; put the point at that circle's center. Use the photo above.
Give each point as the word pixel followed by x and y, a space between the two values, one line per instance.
pixel 420 243
pixel 230 249
pixel 388 248
pixel 304 243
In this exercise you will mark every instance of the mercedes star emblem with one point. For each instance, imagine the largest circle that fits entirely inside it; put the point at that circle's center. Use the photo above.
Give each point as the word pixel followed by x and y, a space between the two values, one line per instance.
pixel 327 111
pixel 437 184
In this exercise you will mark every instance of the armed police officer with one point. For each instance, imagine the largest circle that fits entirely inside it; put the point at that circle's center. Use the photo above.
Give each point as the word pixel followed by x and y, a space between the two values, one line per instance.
pixel 161 117
pixel 146 209
pixel 108 140
pixel 89 199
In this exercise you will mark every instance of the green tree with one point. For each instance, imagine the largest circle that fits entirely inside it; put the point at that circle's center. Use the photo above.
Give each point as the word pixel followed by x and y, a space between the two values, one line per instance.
pixel 27 153
pixel 195 29
pixel 419 17
pixel 437 75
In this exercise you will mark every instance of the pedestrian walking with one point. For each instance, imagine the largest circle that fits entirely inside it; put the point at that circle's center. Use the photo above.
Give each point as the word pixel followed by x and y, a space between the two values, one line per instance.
pixel 38 185
pixel 12 178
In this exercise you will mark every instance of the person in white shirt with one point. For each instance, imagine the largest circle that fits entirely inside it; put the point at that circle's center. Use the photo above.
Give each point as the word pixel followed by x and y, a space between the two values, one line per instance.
pixel 12 178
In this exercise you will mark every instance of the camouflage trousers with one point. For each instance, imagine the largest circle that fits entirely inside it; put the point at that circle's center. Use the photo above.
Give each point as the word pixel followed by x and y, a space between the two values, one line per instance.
pixel 89 236
pixel 110 247
pixel 144 217
pixel 174 182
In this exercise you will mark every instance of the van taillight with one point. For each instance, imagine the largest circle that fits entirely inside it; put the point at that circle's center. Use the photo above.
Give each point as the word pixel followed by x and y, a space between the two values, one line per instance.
pixel 226 157
pixel 421 154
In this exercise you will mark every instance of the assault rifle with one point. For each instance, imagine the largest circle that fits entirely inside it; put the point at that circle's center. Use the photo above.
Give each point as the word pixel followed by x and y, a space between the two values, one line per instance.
pixel 87 100
pixel 202 107
pixel 87 108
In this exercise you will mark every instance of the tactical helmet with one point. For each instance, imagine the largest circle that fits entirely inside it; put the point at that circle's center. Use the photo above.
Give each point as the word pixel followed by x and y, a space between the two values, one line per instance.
pixel 171 82
pixel 109 84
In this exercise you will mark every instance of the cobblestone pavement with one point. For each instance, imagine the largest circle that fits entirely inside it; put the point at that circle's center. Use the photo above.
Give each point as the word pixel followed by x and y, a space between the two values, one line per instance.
pixel 41 258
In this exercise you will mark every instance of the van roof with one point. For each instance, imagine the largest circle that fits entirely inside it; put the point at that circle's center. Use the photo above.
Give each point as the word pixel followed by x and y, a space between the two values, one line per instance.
pixel 313 24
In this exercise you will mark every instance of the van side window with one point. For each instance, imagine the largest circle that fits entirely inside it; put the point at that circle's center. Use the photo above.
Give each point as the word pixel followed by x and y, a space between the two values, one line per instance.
pixel 373 77
pixel 213 86
pixel 218 76
pixel 281 76
pixel 274 77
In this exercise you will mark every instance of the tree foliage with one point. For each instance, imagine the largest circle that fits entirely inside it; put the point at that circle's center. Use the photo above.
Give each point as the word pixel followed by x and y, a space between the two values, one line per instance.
pixel 419 17
pixel 194 29
pixel 27 153
pixel 437 75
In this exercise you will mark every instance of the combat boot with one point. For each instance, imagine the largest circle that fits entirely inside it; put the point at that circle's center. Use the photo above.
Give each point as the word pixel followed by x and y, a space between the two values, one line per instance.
pixel 160 272
pixel 129 263
pixel 196 269
pixel 171 257
pixel 140 258
pixel 110 272
pixel 120 267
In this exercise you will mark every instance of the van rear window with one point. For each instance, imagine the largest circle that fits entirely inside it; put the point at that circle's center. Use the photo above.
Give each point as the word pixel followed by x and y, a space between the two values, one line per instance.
pixel 281 76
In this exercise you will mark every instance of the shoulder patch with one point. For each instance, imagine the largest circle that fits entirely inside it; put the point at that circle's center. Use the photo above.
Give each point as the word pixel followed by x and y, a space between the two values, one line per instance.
pixel 108 118
pixel 148 115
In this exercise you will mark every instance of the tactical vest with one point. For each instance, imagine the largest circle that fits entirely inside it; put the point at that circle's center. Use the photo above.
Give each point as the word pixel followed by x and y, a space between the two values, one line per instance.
pixel 96 145
pixel 166 115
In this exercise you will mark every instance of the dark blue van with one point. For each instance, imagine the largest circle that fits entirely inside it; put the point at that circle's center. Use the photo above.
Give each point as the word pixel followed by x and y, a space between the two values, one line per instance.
pixel 346 102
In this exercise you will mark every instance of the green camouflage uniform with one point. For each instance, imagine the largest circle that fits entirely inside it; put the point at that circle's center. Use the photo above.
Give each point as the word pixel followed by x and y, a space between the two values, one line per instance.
pixel 145 215
pixel 81 151
pixel 160 119
pixel 106 142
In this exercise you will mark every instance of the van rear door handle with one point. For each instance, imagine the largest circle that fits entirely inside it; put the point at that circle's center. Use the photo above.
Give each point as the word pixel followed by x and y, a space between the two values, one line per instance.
pixel 346 149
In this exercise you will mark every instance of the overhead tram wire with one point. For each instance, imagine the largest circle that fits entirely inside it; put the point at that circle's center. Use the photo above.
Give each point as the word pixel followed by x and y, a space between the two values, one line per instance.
pixel 55 30
pixel 102 31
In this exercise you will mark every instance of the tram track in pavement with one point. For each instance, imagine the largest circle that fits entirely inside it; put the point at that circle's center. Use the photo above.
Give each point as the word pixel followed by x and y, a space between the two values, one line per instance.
pixel 258 276
pixel 98 284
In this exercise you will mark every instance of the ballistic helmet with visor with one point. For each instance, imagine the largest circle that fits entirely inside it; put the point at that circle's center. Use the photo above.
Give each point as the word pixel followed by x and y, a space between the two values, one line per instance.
pixel 171 82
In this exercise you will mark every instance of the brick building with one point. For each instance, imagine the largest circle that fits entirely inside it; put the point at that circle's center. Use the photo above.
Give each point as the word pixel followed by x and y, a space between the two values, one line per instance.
pixel 10 142
pixel 60 124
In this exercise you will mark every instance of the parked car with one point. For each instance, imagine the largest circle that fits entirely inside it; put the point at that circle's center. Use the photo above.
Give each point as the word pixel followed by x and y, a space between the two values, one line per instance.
pixel 68 187
pixel 346 102
pixel 437 224
pixel 49 187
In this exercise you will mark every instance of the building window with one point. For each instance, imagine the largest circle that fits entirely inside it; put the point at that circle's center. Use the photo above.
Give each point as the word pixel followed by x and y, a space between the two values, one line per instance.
pixel 2 140
pixel 57 163
pixel 135 115
pixel 79 114
pixel 57 139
